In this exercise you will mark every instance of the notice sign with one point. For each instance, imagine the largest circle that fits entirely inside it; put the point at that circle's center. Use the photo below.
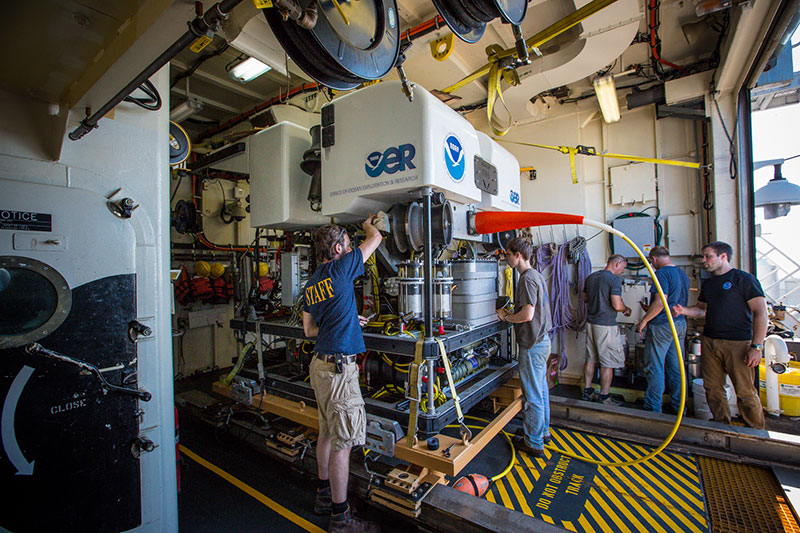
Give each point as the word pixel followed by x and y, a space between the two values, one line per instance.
pixel 25 221
pixel 563 487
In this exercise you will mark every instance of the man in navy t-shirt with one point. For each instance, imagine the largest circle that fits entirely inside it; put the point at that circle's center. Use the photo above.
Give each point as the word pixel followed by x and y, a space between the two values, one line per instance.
pixel 330 315
pixel 660 353
pixel 735 310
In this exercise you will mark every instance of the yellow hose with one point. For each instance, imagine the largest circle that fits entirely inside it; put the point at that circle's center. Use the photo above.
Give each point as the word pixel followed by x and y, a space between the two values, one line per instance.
pixel 679 351
pixel 508 468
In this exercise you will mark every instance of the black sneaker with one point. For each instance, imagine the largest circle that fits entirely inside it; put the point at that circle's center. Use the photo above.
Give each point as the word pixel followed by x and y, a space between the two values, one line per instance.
pixel 607 400
pixel 546 439
pixel 322 502
pixel 519 444
pixel 347 523
pixel 589 395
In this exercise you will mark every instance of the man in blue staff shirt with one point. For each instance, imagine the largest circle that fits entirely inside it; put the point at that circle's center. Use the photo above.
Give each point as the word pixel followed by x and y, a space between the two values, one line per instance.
pixel 330 315
pixel 660 353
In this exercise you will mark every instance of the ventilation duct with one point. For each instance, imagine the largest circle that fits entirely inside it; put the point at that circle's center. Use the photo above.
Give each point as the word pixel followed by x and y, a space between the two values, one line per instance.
pixel 575 54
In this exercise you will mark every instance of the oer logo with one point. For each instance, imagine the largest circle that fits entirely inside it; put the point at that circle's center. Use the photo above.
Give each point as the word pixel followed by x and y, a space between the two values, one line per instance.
pixel 391 160
pixel 454 157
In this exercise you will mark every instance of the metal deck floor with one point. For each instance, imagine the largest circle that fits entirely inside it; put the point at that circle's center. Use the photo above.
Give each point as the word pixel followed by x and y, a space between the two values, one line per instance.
pixel 673 492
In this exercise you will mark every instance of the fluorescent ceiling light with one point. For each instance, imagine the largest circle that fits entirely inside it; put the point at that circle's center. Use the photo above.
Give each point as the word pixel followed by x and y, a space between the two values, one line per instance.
pixel 248 70
pixel 185 110
pixel 606 93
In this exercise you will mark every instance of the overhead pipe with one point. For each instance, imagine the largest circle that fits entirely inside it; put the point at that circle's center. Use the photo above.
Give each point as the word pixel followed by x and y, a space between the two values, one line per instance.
pixel 305 18
pixel 486 222
pixel 201 26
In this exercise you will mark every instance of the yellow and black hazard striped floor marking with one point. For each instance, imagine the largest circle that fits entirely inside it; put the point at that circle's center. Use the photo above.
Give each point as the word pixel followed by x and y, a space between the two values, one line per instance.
pixel 663 494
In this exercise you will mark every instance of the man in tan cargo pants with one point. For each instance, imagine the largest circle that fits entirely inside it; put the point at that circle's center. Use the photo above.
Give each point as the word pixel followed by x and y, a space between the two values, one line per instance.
pixel 330 315
pixel 735 310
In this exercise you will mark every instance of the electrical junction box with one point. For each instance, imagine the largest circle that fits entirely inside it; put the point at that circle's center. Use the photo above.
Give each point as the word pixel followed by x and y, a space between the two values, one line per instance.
pixel 380 149
pixel 682 235
pixel 632 183
pixel 639 229
pixel 294 274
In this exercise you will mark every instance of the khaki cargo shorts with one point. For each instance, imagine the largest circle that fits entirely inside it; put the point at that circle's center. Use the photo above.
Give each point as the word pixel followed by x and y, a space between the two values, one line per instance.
pixel 339 404
pixel 604 343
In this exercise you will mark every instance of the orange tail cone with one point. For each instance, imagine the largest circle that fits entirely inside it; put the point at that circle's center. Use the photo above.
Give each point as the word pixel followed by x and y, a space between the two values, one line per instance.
pixel 494 221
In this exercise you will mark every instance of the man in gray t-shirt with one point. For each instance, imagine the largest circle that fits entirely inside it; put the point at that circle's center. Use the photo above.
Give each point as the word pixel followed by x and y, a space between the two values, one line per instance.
pixel 603 294
pixel 532 320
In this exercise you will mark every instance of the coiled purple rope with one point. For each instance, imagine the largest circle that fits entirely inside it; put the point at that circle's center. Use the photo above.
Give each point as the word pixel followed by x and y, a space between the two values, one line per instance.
pixel 565 313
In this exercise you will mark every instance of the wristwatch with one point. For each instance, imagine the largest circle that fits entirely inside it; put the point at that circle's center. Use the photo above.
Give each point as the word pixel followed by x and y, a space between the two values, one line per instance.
pixel 759 347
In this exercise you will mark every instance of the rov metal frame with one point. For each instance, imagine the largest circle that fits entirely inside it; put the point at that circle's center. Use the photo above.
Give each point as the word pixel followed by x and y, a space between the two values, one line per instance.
pixel 480 384
pixel 472 389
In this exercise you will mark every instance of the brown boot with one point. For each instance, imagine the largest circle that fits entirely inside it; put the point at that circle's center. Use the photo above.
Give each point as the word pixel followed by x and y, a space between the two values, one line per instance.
pixel 347 523
pixel 521 446
pixel 323 502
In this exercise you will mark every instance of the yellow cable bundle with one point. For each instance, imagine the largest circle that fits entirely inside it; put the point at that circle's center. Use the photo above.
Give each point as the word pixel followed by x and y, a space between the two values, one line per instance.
pixel 509 290
pixel 372 266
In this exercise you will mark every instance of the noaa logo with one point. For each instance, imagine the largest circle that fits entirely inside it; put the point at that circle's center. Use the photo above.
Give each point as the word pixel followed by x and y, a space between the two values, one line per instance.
pixel 727 285
pixel 393 159
pixel 454 157
pixel 514 197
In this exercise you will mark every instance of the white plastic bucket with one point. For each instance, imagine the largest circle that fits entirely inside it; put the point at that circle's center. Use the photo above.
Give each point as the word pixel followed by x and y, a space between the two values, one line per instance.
pixel 701 409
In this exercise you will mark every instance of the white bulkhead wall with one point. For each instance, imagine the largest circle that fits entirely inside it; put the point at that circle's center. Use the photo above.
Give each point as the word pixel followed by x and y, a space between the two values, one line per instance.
pixel 638 133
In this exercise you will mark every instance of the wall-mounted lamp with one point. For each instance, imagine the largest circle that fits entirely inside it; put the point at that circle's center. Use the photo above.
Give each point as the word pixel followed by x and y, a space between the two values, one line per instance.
pixel 779 194
pixel 606 93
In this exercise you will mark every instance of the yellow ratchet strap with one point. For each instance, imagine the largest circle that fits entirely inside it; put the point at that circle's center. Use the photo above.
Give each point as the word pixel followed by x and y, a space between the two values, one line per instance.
pixel 588 150
pixel 492 95
pixel 413 394
pixel 466 434
pixel 537 40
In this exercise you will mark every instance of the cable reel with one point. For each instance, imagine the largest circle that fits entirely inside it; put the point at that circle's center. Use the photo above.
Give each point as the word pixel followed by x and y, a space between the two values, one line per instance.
pixel 350 43
pixel 179 144
pixel 408 230
pixel 468 18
